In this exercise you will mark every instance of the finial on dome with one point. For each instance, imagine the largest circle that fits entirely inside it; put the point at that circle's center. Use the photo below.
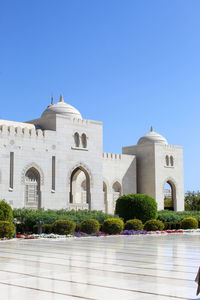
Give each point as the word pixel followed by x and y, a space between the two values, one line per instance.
pixel 52 100
pixel 151 129
pixel 61 98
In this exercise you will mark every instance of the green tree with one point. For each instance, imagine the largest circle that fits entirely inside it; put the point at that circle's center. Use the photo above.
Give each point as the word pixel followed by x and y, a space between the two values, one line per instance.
pixel 192 200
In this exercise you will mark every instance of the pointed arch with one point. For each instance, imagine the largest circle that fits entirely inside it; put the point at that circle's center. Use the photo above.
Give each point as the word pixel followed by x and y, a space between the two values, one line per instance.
pixel 32 195
pixel 80 179
pixel 173 186
pixel 117 192
pixel 76 139
pixel 80 165
pixel 29 166
pixel 167 160
pixel 171 160
pixel 84 140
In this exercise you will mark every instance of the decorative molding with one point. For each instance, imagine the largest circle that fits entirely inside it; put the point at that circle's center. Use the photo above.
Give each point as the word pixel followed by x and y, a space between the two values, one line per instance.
pixel 29 166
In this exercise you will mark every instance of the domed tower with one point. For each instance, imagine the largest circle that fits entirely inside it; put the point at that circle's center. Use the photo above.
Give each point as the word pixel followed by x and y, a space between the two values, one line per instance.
pixel 61 108
pixel 159 163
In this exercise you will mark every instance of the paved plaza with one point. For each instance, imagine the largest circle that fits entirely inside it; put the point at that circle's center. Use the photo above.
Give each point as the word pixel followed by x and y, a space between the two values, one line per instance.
pixel 126 267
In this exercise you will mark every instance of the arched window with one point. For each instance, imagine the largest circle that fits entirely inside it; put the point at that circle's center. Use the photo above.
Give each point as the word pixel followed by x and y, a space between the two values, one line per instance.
pixel 167 160
pixel 171 160
pixel 32 189
pixel 84 140
pixel 76 139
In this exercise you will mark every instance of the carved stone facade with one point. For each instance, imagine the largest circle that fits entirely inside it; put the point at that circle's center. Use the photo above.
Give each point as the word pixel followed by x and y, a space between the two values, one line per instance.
pixel 57 161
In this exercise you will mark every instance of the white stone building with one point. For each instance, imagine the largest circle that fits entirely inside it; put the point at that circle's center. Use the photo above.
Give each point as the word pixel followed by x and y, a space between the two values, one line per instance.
pixel 57 161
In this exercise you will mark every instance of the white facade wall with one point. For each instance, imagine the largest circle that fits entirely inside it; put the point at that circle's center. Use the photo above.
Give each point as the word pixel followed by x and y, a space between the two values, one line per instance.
pixel 120 169
pixel 140 168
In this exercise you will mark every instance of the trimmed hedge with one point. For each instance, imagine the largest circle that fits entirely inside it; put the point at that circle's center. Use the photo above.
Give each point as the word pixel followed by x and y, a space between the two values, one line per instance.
pixel 173 216
pixel 113 226
pixel 153 225
pixel 189 223
pixel 30 217
pixel 64 227
pixel 6 213
pixel 134 224
pixel 136 206
pixel 7 229
pixel 90 226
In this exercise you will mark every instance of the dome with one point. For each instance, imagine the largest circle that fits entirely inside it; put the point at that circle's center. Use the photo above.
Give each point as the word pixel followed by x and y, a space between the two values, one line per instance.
pixel 62 108
pixel 152 137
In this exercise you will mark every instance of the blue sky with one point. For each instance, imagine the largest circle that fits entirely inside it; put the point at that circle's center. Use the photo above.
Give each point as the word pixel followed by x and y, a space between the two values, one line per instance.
pixel 130 64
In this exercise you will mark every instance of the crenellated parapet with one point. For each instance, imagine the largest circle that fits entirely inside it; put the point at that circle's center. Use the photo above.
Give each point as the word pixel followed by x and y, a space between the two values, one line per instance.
pixel 19 132
pixel 112 156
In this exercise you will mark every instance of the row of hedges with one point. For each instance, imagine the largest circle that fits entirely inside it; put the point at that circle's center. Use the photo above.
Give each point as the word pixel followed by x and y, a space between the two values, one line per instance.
pixel 29 217
pixel 113 226
pixel 172 216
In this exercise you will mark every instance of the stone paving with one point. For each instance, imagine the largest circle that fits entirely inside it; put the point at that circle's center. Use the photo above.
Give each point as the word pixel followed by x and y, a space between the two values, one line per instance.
pixel 124 267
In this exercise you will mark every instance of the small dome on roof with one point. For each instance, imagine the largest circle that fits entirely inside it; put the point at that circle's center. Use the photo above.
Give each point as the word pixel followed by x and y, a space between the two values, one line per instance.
pixel 62 108
pixel 152 137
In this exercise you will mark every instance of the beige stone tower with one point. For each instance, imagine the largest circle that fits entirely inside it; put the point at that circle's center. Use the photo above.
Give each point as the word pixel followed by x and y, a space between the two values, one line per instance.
pixel 159 163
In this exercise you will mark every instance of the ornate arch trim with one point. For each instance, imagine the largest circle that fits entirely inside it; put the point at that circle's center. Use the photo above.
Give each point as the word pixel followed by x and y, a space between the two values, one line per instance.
pixel 83 166
pixel 29 166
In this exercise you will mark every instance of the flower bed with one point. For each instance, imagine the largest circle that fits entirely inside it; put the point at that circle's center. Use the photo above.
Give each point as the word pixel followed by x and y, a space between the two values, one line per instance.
pixel 29 236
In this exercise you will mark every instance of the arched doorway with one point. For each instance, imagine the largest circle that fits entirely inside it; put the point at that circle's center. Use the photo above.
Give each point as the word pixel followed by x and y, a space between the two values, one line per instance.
pixel 117 191
pixel 105 197
pixel 80 189
pixel 169 195
pixel 32 189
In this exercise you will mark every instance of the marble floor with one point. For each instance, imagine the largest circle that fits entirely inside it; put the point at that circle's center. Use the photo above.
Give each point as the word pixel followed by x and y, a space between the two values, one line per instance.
pixel 156 267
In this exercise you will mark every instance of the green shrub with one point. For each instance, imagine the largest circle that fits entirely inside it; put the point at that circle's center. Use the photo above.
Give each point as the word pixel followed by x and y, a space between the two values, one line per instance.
pixel 7 229
pixel 20 228
pixel 113 226
pixel 134 224
pixel 153 225
pixel 136 206
pixel 189 223
pixel 64 227
pixel 6 213
pixel 172 225
pixel 47 228
pixel 90 226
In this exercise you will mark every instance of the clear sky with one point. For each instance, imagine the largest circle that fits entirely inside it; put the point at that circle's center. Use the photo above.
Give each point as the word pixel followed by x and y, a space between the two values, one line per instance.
pixel 130 64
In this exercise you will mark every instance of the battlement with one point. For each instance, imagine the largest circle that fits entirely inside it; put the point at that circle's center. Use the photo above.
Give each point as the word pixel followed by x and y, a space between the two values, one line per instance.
pixel 85 122
pixel 6 130
pixel 111 156
pixel 80 121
